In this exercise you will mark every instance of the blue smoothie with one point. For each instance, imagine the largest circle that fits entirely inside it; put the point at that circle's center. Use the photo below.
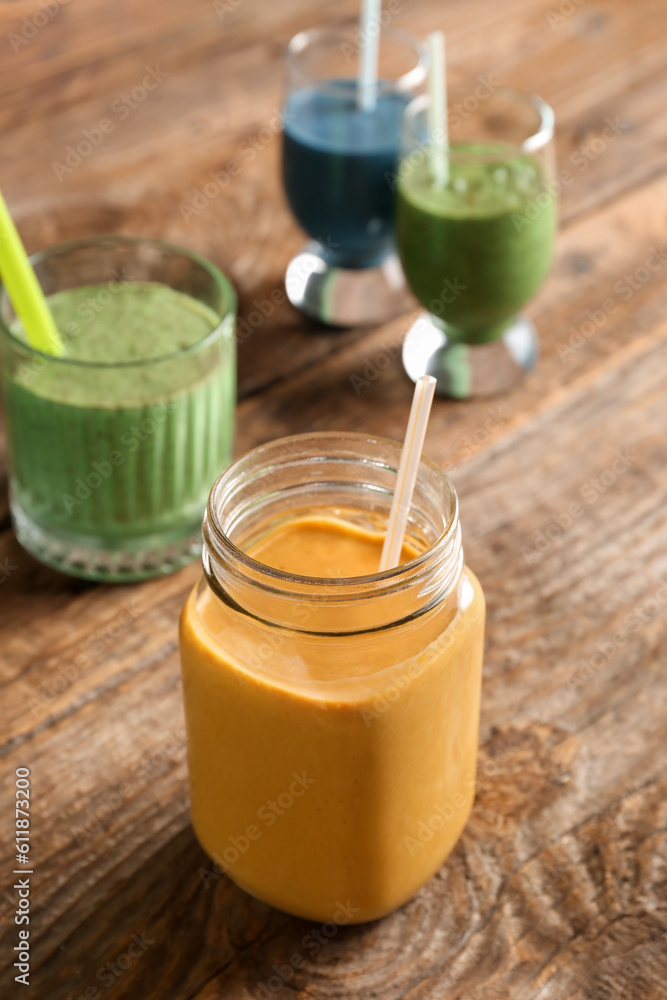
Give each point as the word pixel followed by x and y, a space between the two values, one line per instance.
pixel 335 158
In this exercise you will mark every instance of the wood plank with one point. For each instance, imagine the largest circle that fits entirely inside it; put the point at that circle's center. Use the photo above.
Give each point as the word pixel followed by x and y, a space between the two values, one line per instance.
pixel 196 114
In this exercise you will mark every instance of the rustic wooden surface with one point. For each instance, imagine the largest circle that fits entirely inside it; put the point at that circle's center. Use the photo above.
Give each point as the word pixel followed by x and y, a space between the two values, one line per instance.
pixel 558 887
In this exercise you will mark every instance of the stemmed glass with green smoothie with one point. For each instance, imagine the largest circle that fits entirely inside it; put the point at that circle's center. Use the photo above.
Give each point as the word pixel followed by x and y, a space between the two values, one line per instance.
pixel 114 444
pixel 476 248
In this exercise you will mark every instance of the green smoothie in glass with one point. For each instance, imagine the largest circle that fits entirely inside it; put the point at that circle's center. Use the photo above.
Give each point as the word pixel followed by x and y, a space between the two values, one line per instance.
pixel 115 444
pixel 475 230
pixel 475 251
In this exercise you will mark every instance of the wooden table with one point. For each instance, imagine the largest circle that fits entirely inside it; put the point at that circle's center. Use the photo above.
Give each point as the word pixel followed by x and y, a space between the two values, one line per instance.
pixel 558 887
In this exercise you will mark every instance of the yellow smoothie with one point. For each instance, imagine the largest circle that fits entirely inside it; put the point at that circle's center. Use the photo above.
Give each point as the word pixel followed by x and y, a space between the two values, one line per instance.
pixel 331 774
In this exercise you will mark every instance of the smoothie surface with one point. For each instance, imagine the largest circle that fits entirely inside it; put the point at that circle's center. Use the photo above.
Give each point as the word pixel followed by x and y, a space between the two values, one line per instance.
pixel 334 122
pixel 109 331
pixel 481 188
pixel 127 321
pixel 320 546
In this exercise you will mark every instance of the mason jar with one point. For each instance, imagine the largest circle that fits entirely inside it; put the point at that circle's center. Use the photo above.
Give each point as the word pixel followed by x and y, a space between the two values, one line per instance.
pixel 332 720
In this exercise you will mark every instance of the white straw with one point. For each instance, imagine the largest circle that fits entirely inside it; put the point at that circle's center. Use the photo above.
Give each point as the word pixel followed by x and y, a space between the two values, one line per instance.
pixel 437 110
pixel 369 43
pixel 407 472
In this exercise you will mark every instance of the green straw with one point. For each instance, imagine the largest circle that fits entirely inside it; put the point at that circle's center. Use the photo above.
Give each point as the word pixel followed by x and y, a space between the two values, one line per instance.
pixel 24 290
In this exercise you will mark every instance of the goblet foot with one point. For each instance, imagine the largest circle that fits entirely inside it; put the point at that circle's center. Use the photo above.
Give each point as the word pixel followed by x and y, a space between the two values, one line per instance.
pixel 343 296
pixel 466 370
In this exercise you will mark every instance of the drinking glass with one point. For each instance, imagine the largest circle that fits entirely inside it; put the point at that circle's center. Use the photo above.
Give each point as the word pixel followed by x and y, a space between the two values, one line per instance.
pixel 113 452
pixel 339 159
pixel 368 687
pixel 476 246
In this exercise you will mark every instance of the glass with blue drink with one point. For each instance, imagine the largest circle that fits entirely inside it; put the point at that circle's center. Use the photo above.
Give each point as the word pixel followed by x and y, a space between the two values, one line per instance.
pixel 341 142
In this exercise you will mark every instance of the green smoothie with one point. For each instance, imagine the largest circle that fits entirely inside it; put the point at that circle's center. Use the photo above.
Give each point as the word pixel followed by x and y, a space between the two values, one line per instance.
pixel 116 444
pixel 475 251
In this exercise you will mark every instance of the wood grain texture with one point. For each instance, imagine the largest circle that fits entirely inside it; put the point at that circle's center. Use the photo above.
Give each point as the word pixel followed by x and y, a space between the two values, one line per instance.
pixel 558 887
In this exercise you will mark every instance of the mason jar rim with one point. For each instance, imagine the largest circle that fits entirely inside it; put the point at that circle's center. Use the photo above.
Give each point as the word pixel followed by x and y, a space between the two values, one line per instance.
pixel 220 279
pixel 219 546
pixel 537 140
pixel 309 36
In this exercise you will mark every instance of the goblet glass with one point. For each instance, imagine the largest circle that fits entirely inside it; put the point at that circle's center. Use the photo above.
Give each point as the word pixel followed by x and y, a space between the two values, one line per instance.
pixel 476 245
pixel 340 150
